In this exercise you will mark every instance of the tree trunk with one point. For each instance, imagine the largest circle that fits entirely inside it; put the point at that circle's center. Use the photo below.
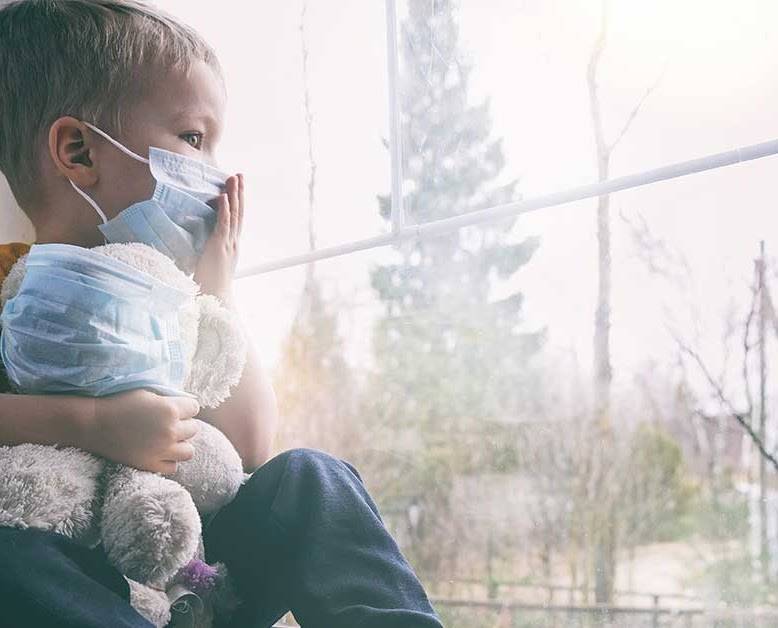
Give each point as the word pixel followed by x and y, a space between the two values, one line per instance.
pixel 764 553
pixel 604 558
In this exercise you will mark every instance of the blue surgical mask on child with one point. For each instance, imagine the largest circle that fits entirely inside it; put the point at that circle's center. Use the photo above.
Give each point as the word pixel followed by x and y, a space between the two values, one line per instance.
pixel 176 220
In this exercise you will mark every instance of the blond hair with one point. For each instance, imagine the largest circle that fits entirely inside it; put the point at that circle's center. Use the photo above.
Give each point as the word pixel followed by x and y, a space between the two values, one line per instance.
pixel 89 59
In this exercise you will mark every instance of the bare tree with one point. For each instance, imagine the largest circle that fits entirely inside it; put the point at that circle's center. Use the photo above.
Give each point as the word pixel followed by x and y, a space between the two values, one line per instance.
pixel 563 460
pixel 309 133
pixel 314 384
pixel 603 372
pixel 743 412
pixel 731 399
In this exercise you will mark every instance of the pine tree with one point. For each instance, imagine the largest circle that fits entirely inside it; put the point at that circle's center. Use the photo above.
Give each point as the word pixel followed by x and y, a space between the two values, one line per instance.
pixel 448 356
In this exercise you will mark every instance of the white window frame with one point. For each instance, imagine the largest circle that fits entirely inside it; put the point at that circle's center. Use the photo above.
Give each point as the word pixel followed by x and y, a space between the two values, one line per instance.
pixel 401 232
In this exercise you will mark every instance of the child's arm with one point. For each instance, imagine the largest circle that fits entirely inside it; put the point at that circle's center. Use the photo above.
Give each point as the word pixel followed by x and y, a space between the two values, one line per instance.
pixel 136 428
pixel 249 418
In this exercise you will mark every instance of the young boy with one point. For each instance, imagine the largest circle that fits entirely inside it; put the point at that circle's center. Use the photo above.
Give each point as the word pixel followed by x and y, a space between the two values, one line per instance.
pixel 302 534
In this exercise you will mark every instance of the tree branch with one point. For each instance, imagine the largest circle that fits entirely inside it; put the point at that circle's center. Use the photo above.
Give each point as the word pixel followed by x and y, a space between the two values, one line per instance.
pixel 635 112
pixel 747 345
pixel 738 416
pixel 591 80
pixel 771 310
pixel 309 130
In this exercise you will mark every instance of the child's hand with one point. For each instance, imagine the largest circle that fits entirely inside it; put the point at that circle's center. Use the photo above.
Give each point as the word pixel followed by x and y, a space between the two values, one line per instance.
pixel 217 263
pixel 143 430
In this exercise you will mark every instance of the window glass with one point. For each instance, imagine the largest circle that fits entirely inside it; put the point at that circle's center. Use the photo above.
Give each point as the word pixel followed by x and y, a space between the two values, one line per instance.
pixel 458 373
pixel 261 48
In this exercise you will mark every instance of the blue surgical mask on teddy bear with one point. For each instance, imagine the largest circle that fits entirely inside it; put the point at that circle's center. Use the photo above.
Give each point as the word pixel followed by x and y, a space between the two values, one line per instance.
pixel 85 323
pixel 177 219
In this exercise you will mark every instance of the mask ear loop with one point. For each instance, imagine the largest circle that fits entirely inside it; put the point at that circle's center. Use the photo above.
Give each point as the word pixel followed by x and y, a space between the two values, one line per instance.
pixel 91 201
pixel 116 143
pixel 122 148
pixel 94 205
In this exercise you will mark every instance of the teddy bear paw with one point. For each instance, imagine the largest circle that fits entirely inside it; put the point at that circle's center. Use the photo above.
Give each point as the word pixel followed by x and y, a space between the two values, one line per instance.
pixel 150 527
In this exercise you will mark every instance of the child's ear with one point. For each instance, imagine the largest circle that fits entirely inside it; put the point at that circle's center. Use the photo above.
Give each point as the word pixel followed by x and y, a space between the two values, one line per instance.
pixel 72 151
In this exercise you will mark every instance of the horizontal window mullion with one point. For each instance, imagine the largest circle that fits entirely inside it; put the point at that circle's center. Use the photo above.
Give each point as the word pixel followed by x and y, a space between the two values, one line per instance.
pixel 591 190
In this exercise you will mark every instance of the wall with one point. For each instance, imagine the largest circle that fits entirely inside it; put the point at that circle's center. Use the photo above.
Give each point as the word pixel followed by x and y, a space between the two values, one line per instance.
pixel 14 226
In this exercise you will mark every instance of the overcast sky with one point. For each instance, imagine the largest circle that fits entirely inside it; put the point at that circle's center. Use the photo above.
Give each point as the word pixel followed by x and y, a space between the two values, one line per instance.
pixel 718 89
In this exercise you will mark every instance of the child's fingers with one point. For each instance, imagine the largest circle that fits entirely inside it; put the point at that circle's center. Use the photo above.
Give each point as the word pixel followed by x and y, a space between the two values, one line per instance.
pixel 232 191
pixel 181 452
pixel 222 229
pixel 167 467
pixel 186 429
pixel 241 202
pixel 185 407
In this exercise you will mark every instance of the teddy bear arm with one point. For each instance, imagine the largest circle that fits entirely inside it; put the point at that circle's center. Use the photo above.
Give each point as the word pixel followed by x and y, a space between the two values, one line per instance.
pixel 219 356
pixel 215 473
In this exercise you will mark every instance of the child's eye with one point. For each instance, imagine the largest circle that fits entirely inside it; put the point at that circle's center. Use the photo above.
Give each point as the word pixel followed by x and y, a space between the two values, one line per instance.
pixel 194 139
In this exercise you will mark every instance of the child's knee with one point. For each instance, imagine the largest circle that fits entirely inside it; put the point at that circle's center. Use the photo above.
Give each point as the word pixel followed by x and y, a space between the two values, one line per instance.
pixel 316 462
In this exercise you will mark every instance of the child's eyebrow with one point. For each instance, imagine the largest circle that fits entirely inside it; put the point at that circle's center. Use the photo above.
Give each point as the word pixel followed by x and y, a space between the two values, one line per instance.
pixel 189 115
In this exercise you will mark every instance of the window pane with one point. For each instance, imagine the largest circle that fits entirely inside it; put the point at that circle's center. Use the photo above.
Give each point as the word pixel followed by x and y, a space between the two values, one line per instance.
pixel 457 372
pixel 709 65
pixel 260 47
pixel 471 420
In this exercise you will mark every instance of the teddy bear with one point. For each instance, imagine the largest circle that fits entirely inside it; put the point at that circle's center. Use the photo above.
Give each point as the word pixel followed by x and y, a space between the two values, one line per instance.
pixel 149 525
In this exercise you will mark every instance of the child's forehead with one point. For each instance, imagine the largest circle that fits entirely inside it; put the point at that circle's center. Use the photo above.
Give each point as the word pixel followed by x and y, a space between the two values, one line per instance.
pixel 177 97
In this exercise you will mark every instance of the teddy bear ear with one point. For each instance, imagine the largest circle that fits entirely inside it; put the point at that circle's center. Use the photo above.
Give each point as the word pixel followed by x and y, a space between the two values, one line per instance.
pixel 13 281
pixel 220 355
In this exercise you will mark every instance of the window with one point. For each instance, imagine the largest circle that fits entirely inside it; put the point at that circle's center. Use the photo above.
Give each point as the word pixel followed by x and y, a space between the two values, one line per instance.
pixel 456 370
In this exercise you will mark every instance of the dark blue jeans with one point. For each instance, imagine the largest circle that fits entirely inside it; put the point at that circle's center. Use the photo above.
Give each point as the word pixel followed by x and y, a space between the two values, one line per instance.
pixel 302 535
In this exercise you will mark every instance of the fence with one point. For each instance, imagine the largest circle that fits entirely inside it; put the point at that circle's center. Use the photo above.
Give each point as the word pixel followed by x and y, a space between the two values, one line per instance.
pixel 549 594
pixel 467 613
